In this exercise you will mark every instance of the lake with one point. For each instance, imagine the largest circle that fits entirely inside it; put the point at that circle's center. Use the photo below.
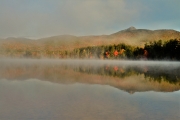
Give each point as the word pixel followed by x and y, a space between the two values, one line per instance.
pixel 52 89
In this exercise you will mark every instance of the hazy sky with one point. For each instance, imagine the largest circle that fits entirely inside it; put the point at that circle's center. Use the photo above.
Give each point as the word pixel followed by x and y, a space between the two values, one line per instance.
pixel 42 18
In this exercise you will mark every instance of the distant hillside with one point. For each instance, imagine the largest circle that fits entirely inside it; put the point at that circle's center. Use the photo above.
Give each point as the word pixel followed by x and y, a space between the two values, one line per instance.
pixel 135 36
pixel 62 46
pixel 130 36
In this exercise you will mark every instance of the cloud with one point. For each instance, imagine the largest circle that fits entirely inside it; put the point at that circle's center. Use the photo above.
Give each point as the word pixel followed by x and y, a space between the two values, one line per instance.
pixel 88 16
pixel 24 18
pixel 63 17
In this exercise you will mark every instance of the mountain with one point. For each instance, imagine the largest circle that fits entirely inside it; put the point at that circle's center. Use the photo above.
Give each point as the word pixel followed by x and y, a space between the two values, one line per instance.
pixel 130 36
pixel 130 28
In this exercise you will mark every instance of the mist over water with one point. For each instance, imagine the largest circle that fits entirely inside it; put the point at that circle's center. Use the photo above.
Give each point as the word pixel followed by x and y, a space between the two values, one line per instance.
pixel 89 89
pixel 168 64
pixel 94 72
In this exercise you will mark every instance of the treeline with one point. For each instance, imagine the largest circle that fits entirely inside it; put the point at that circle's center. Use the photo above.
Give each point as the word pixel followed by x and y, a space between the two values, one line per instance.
pixel 19 50
pixel 167 50
pixel 157 50
pixel 119 51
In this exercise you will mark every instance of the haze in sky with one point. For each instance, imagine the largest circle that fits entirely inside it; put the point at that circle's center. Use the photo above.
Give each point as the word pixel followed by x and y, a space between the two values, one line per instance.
pixel 43 18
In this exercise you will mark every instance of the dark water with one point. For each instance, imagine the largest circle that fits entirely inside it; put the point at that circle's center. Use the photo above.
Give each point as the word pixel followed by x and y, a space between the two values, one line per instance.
pixel 88 90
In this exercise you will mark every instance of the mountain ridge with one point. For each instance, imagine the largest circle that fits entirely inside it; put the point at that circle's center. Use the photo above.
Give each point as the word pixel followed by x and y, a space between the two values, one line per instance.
pixel 130 36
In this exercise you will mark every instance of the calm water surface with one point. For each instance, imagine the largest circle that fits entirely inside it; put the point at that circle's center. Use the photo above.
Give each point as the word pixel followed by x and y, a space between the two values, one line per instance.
pixel 88 90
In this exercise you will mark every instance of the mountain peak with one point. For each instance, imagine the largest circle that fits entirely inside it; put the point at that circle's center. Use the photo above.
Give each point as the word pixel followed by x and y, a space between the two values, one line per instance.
pixel 131 28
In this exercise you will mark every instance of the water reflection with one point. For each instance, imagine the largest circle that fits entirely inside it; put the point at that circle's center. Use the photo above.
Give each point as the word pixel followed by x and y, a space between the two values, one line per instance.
pixel 82 89
pixel 35 99
pixel 130 76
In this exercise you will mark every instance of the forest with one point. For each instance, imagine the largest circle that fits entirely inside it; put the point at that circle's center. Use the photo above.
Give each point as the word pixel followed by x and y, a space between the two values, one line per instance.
pixel 156 50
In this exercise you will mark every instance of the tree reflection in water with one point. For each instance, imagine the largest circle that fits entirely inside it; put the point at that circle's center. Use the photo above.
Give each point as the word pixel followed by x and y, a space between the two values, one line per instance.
pixel 156 73
pixel 130 76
